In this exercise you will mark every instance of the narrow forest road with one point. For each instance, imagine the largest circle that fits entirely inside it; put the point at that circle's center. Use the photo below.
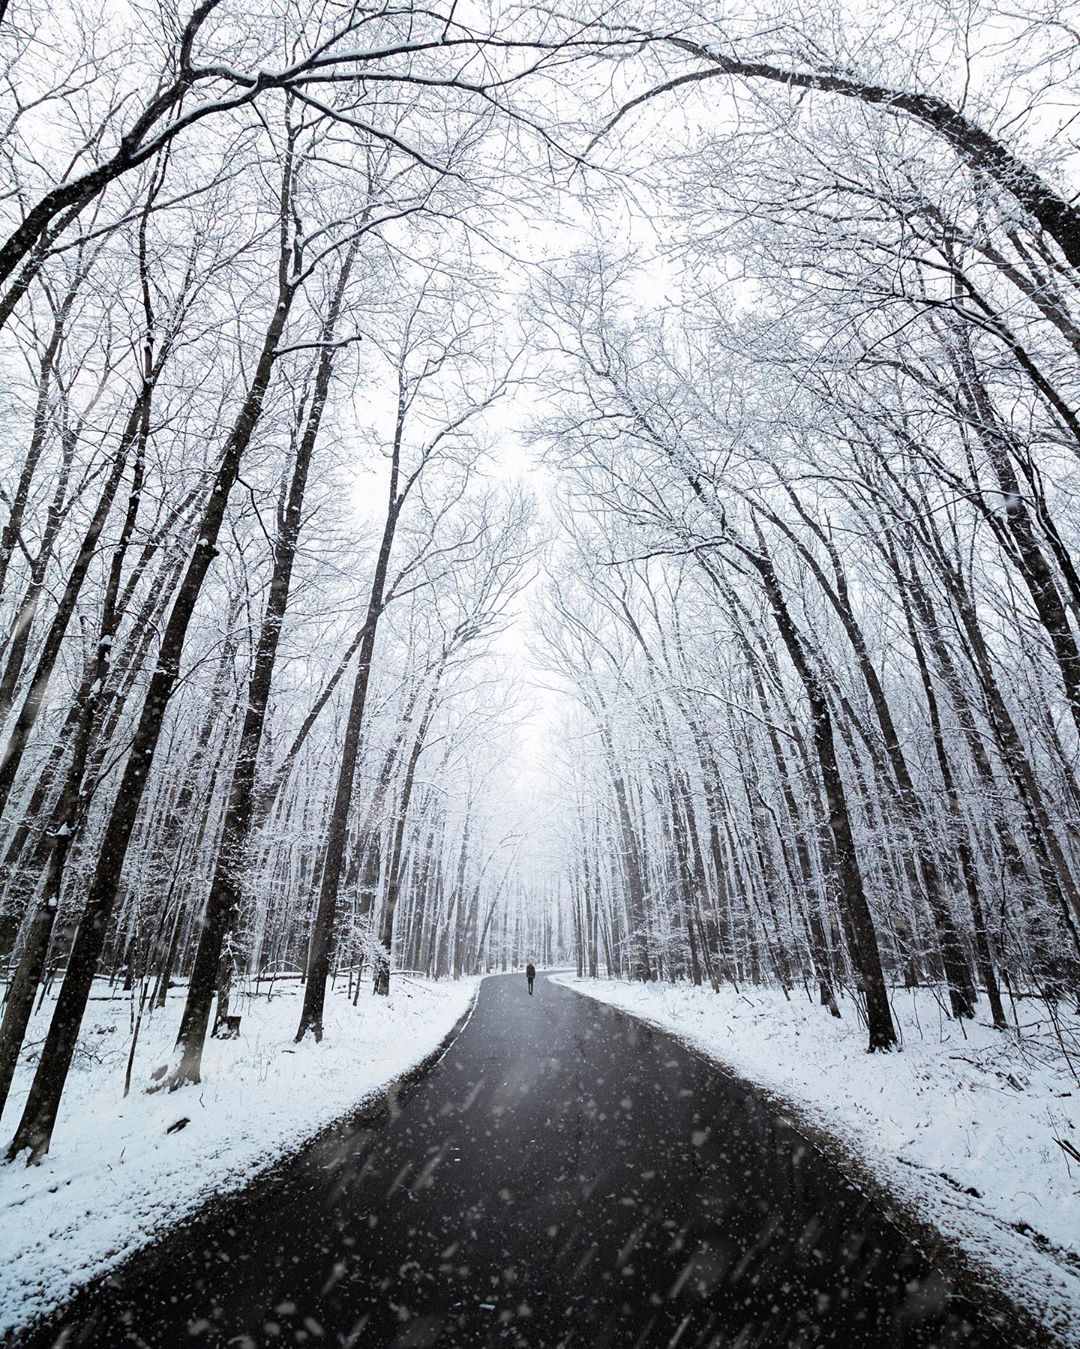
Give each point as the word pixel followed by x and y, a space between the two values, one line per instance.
pixel 564 1176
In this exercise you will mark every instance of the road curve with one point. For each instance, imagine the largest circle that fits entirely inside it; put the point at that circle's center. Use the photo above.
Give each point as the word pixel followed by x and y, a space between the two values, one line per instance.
pixel 565 1176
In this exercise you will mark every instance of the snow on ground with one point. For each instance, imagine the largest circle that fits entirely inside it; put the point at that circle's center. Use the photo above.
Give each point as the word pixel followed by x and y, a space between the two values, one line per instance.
pixel 115 1177
pixel 962 1125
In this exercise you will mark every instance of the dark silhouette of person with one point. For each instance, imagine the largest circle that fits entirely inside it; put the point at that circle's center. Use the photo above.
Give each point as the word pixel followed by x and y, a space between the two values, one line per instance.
pixel 530 974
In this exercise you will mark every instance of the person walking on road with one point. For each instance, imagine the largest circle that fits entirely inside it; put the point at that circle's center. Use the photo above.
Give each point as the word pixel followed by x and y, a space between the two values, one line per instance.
pixel 530 974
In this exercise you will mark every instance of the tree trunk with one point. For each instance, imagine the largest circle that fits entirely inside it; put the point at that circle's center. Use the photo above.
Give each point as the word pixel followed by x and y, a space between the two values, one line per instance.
pixel 381 972
pixel 39 1115
pixel 223 902
pixel 844 866
pixel 322 934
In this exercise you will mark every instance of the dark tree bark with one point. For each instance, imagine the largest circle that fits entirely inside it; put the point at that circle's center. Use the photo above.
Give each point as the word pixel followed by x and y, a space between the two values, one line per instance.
pixel 71 808
pixel 266 796
pixel 1033 564
pixel 844 865
pixel 223 902
pixel 322 934
pixel 630 861
pixel 12 530
pixel 911 809
pixel 961 840
pixel 381 972
pixel 11 758
pixel 819 945
pixel 22 627
pixel 34 1131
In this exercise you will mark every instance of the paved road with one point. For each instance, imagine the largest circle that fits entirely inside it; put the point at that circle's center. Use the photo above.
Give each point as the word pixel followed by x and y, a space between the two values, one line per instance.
pixel 565 1176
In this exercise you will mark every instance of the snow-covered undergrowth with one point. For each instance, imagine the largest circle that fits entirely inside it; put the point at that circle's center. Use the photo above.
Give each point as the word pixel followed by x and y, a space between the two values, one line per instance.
pixel 116 1176
pixel 963 1125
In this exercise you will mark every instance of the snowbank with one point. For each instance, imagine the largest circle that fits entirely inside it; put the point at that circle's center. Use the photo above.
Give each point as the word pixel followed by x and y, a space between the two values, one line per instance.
pixel 962 1125
pixel 115 1177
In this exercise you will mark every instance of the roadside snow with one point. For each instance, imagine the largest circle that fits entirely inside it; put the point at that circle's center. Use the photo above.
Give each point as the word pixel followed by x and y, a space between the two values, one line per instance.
pixel 962 1124
pixel 115 1177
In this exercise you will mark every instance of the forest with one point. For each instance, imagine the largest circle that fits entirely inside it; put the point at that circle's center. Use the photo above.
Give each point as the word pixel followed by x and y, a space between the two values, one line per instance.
pixel 594 484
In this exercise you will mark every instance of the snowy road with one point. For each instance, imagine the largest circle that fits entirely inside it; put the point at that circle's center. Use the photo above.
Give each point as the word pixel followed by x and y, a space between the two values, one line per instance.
pixel 565 1176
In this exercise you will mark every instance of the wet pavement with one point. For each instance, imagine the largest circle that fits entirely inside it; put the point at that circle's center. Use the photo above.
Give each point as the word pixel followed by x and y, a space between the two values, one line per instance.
pixel 565 1176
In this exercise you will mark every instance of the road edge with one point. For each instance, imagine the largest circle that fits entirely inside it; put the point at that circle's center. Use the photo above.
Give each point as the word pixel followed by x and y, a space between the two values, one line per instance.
pixel 976 1280
pixel 372 1109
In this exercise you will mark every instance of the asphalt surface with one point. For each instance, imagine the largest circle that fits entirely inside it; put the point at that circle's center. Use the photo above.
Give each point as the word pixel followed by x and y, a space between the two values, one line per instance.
pixel 564 1176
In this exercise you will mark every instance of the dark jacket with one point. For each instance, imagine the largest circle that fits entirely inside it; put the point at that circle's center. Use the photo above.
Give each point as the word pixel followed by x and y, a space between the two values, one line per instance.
pixel 530 971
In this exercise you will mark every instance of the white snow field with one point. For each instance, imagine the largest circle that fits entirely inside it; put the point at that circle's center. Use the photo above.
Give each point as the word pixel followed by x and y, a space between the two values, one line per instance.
pixel 115 1177
pixel 962 1125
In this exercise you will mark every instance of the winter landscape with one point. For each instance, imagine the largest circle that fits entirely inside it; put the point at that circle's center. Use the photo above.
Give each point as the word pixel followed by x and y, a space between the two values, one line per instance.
pixel 540 674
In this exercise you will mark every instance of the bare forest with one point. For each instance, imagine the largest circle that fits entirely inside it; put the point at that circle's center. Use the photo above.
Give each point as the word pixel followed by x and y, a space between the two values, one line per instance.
pixel 592 484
